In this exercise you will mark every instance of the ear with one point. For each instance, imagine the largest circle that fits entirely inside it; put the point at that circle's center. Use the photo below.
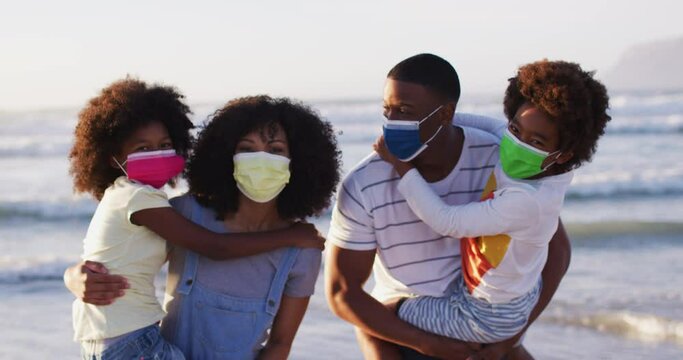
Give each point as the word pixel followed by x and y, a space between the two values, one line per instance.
pixel 564 157
pixel 448 113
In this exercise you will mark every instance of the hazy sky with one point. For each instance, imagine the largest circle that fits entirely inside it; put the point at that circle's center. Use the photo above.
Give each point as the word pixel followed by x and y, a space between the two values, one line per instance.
pixel 60 53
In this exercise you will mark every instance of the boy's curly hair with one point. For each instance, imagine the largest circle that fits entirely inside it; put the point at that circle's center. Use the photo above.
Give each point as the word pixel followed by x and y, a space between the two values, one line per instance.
pixel 570 96
pixel 315 159
pixel 111 117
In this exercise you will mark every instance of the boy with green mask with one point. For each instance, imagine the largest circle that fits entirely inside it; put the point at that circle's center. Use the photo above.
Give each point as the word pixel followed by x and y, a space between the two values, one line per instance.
pixel 556 114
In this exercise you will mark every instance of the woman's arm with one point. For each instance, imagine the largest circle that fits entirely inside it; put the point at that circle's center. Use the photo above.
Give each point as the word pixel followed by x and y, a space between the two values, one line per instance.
pixel 285 325
pixel 180 231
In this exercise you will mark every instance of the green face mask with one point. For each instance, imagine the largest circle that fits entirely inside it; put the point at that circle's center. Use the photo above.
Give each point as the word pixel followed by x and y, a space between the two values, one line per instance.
pixel 261 176
pixel 521 160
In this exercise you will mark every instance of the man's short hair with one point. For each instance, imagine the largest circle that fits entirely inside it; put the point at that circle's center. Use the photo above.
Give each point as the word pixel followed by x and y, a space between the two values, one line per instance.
pixel 429 71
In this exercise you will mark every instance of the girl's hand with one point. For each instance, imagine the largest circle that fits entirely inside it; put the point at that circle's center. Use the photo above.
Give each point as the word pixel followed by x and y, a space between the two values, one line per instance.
pixel 91 282
pixel 305 235
pixel 384 153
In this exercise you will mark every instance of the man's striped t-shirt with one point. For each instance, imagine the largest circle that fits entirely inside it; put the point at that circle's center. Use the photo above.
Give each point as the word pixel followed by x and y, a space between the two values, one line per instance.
pixel 371 214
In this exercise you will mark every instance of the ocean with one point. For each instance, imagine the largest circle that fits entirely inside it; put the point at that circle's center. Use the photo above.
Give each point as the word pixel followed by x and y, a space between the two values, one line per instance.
pixel 621 299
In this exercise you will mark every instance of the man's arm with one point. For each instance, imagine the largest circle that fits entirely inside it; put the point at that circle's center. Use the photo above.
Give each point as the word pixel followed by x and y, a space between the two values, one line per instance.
pixel 91 282
pixel 345 273
pixel 559 256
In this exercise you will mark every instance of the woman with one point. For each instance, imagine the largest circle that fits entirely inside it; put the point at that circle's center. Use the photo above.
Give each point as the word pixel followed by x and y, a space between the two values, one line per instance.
pixel 258 165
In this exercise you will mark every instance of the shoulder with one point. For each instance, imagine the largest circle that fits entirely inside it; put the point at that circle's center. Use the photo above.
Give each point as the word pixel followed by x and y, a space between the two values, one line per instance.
pixel 309 257
pixel 368 172
pixel 182 201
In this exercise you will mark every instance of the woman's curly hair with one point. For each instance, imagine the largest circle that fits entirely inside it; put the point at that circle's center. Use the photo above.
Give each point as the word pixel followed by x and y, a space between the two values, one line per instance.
pixel 111 117
pixel 570 96
pixel 315 159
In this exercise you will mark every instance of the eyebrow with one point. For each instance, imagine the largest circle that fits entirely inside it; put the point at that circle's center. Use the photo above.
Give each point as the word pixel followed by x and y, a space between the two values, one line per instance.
pixel 399 104
pixel 269 141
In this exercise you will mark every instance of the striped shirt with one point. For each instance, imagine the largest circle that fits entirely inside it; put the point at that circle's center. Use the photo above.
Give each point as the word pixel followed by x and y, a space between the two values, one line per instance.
pixel 371 214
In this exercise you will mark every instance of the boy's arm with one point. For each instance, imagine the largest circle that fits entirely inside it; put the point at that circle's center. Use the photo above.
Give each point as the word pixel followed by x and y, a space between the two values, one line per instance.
pixel 512 210
pixel 180 231
pixel 284 328
pixel 484 123
pixel 559 256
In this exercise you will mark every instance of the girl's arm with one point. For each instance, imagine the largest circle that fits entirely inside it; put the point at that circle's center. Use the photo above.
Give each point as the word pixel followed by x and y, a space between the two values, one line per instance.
pixel 485 123
pixel 180 231
pixel 512 210
pixel 284 329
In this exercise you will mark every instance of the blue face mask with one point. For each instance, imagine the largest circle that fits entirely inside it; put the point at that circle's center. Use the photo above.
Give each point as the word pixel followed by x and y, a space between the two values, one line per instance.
pixel 402 137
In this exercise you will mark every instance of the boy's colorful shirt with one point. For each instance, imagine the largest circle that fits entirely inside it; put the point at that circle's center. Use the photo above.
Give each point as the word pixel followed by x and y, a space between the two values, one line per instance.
pixel 480 254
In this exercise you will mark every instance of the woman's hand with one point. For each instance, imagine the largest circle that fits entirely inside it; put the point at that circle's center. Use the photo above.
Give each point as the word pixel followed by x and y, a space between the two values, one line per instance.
pixel 91 282
pixel 384 153
pixel 305 235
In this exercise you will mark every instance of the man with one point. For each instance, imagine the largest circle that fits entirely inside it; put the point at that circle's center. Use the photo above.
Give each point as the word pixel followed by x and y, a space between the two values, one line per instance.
pixel 373 227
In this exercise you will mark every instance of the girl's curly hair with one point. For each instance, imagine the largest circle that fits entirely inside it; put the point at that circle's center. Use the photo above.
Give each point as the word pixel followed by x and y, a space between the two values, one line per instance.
pixel 111 117
pixel 315 158
pixel 570 96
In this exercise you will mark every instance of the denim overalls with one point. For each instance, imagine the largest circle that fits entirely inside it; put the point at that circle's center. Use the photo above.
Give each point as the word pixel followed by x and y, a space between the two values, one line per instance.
pixel 211 325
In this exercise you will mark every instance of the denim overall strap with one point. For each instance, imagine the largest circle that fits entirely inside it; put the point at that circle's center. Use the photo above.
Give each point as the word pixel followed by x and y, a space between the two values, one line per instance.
pixel 279 280
pixel 191 258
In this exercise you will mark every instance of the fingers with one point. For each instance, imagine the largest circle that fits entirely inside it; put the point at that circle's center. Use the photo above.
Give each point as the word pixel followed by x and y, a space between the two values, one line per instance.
pixel 94 267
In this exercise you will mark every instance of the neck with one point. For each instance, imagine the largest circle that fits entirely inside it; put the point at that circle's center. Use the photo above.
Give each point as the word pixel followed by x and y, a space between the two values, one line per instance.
pixel 252 216
pixel 442 154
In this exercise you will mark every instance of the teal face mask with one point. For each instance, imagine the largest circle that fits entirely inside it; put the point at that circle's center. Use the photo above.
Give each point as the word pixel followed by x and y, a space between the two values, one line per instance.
pixel 521 160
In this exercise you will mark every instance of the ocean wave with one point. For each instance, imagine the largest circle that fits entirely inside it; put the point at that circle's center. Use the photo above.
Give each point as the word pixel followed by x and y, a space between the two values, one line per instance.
pixel 20 271
pixel 635 190
pixel 644 327
pixel 48 211
pixel 607 228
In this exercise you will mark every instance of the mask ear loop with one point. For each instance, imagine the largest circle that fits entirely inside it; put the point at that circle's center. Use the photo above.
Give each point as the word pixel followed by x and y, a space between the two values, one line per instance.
pixel 554 160
pixel 121 165
pixel 430 115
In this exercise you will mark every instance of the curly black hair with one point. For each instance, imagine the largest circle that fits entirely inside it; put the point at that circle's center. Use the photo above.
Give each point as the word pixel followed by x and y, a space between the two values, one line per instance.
pixel 111 117
pixel 315 159
pixel 571 97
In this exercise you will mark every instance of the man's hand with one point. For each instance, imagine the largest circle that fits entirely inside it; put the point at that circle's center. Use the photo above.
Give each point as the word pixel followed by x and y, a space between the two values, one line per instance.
pixel 494 351
pixel 305 235
pixel 91 282
pixel 445 348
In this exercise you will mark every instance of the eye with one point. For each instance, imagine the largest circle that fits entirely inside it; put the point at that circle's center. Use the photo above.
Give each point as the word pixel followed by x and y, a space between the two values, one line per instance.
pixel 166 145
pixel 513 129
pixel 537 143
pixel 141 148
pixel 277 150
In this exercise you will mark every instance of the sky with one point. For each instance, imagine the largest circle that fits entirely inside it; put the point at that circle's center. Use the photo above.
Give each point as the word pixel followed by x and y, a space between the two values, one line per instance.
pixel 56 54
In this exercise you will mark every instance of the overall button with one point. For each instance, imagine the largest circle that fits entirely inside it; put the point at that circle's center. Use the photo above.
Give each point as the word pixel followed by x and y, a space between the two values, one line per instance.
pixel 271 302
pixel 188 282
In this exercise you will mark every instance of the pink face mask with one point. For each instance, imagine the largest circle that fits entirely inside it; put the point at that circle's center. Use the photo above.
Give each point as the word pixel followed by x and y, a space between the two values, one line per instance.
pixel 153 168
